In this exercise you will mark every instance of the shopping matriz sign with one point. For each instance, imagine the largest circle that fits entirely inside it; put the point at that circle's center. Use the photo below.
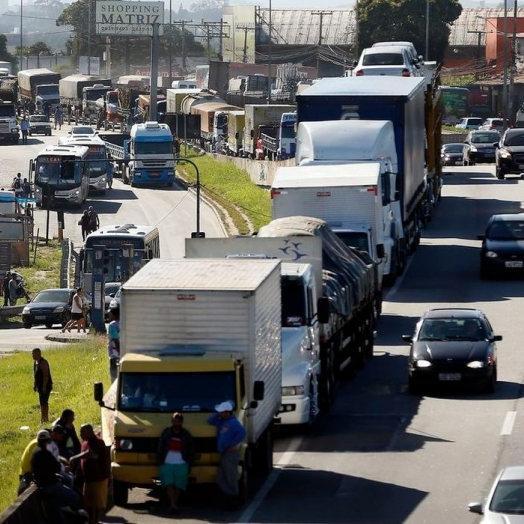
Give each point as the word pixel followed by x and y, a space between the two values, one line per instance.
pixel 117 18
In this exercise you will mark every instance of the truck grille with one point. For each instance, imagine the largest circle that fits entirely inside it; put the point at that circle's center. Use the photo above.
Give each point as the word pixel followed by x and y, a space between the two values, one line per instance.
pixel 150 445
pixel 152 164
pixel 4 127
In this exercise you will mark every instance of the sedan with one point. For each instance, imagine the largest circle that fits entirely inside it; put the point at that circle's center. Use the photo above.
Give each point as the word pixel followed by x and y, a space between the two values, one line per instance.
pixel 505 502
pixel 502 250
pixel 110 290
pixel 452 154
pixel 452 346
pixel 82 131
pixel 49 307
pixel 480 147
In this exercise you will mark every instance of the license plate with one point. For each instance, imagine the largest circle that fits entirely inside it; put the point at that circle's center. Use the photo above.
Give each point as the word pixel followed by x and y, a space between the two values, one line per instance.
pixel 154 175
pixel 39 317
pixel 514 263
pixel 449 376
pixel 521 166
pixel 458 162
pixel 489 151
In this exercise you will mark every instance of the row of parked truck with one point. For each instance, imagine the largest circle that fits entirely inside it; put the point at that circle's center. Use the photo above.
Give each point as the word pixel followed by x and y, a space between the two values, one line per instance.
pixel 271 322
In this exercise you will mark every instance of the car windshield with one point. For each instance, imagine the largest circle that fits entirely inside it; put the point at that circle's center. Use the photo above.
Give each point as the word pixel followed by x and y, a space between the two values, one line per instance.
pixel 485 138
pixel 111 288
pixel 514 139
pixel 454 148
pixel 510 230
pixel 383 59
pixel 53 295
pixel 82 130
pixel 38 118
pixel 470 329
pixel 508 497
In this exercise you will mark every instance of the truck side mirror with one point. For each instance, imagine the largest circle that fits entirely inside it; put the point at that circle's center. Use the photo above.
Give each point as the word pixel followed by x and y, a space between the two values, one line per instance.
pixel 323 310
pixel 98 391
pixel 381 252
pixel 258 390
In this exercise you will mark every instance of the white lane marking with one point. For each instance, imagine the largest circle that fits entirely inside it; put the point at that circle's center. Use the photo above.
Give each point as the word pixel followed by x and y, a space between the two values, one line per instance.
pixel 285 459
pixel 509 421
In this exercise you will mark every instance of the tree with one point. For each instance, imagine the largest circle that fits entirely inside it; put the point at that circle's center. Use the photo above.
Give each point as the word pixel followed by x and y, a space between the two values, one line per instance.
pixel 5 56
pixel 40 48
pixel 389 20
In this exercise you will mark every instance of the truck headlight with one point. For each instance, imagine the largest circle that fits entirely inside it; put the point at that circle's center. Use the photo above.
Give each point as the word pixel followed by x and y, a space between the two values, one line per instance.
pixel 124 444
pixel 292 391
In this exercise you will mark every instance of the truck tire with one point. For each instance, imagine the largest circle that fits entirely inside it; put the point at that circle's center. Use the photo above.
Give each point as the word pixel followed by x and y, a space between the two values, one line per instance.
pixel 263 459
pixel 120 493
pixel 327 380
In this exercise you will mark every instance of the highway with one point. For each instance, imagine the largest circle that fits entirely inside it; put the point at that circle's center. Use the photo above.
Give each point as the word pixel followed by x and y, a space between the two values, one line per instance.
pixel 172 210
pixel 381 456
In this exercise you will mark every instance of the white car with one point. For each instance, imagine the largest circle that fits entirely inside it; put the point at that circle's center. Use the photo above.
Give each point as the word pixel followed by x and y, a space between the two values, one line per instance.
pixel 386 61
pixel 493 123
pixel 408 46
pixel 470 122
pixel 82 131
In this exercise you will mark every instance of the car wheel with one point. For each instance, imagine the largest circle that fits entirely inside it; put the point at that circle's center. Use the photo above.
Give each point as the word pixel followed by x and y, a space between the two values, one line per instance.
pixel 48 325
pixel 492 382
pixel 464 162
pixel 27 325
pixel 471 163
pixel 500 174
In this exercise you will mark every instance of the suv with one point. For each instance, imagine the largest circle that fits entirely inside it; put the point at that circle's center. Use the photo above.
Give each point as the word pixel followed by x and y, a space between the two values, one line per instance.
pixel 39 124
pixel 470 122
pixel 509 156
pixel 387 61
pixel 480 146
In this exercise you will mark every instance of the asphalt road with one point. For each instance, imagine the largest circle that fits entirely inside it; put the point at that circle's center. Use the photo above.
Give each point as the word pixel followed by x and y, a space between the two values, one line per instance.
pixel 382 456
pixel 172 210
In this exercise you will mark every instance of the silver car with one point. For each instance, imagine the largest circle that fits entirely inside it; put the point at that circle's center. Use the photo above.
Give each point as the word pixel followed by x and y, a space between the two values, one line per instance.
pixel 505 502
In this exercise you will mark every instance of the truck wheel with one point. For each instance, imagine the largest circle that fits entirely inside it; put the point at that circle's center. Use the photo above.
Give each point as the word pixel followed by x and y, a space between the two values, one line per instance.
pixel 243 485
pixel 263 463
pixel 327 380
pixel 120 493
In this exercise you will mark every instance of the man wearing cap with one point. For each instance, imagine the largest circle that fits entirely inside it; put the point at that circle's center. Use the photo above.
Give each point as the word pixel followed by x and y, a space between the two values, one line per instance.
pixel 45 471
pixel 175 454
pixel 230 434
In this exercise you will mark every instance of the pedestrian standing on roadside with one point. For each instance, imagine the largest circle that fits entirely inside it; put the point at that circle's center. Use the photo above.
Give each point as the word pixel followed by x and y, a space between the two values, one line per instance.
pixel 24 129
pixel 59 116
pixel 26 188
pixel 5 288
pixel 43 383
pixel 109 171
pixel 13 290
pixel 85 224
pixel 113 345
pixel 94 221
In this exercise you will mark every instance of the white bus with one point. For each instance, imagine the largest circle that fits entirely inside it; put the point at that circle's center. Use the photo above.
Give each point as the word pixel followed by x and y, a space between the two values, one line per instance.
pixel 97 156
pixel 144 239
pixel 61 175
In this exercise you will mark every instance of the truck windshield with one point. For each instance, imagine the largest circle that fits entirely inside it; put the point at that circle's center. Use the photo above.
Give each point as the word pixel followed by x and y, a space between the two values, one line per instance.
pixel 293 303
pixel 355 239
pixel 57 173
pixel 98 157
pixel 94 94
pixel 170 392
pixel 47 90
pixel 288 132
pixel 153 148
pixel 7 110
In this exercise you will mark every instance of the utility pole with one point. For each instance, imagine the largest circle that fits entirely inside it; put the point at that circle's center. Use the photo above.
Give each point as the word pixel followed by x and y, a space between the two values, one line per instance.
pixel 170 43
pixel 478 61
pixel 513 64
pixel 245 28
pixel 220 57
pixel 183 23
pixel 322 14
pixel 270 52
pixel 153 95
pixel 505 66
pixel 88 37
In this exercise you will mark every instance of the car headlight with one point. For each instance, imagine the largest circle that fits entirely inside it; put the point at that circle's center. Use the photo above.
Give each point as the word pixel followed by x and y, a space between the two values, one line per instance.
pixel 26 311
pixel 291 391
pixel 422 363
pixel 113 304
pixel 58 309
pixel 124 444
pixel 504 153
pixel 491 254
pixel 476 364
pixel 473 148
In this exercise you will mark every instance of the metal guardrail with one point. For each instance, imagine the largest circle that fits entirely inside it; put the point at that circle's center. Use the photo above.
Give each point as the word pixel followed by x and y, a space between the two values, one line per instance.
pixel 10 312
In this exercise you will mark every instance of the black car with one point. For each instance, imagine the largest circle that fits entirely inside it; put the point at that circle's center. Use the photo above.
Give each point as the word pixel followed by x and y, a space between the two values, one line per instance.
pixel 510 153
pixel 502 250
pixel 49 307
pixel 452 346
pixel 452 154
pixel 480 146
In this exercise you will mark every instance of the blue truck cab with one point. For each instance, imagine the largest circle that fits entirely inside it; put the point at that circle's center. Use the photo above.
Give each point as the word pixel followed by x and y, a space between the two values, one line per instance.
pixel 150 154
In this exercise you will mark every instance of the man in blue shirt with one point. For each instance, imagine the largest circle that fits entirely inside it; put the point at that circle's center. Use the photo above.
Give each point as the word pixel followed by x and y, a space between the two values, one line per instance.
pixel 230 434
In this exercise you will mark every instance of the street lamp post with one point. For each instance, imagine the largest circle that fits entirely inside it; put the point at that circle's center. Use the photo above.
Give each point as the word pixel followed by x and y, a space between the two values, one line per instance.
pixel 197 233
pixel 505 66
pixel 426 56
pixel 21 37
pixel 269 59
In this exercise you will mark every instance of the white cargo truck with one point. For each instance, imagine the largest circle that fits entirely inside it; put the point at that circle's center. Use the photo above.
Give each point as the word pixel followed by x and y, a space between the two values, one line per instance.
pixel 194 333
pixel 360 142
pixel 301 366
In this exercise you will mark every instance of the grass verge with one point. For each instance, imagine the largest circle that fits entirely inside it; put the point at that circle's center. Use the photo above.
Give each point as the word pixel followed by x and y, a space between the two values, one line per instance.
pixel 74 369
pixel 246 203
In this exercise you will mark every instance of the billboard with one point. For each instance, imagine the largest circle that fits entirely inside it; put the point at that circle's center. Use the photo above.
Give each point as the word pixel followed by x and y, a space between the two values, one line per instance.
pixel 89 65
pixel 117 18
